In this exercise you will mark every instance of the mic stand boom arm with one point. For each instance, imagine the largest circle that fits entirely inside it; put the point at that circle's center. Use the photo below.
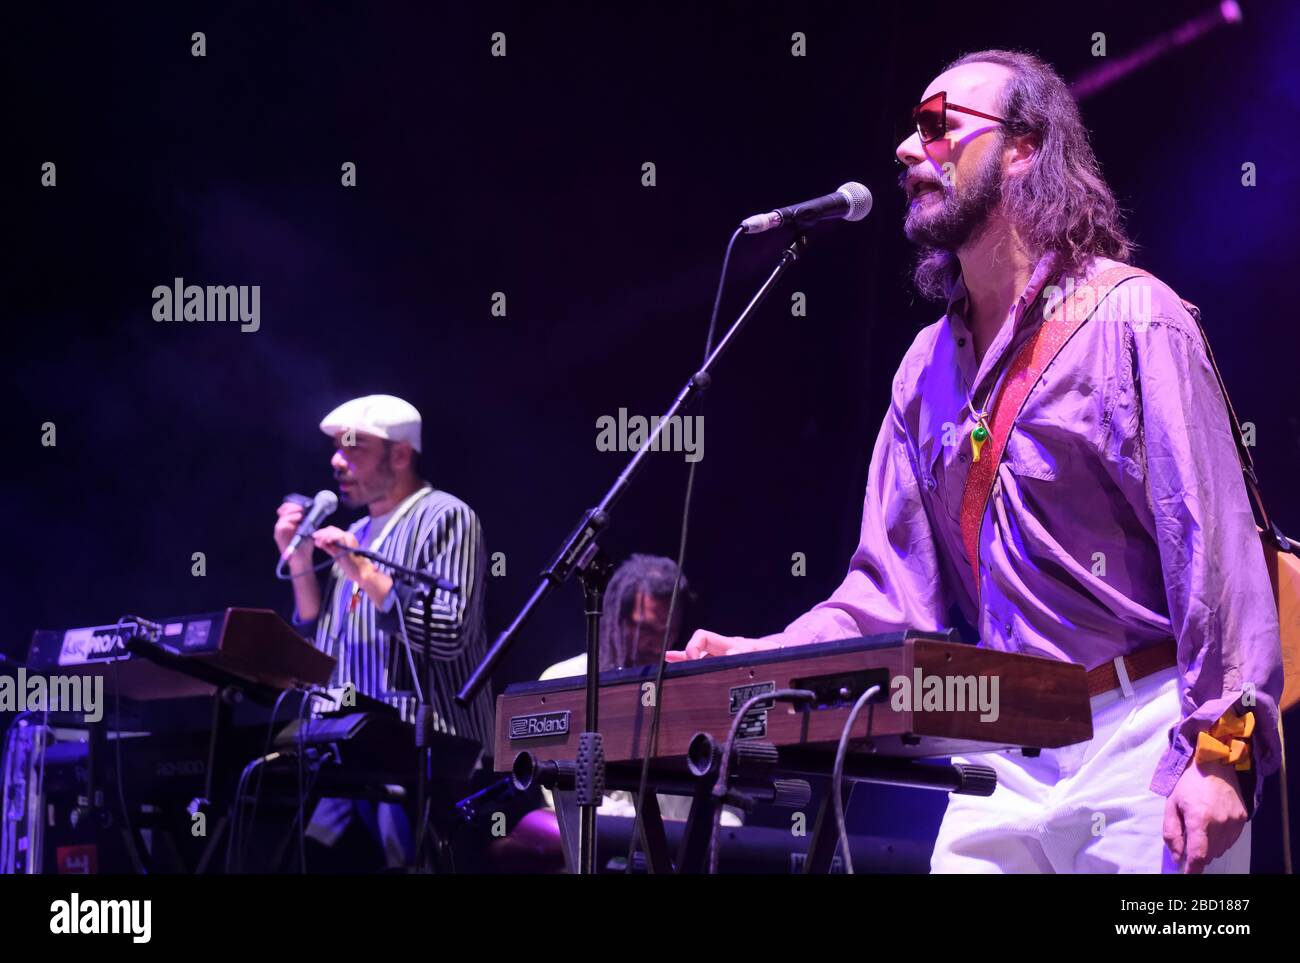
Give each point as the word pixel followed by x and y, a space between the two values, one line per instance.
pixel 411 576
pixel 564 563
pixel 579 549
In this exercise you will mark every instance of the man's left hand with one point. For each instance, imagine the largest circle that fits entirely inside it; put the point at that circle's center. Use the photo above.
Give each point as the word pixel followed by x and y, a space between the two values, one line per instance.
pixel 335 542
pixel 1204 815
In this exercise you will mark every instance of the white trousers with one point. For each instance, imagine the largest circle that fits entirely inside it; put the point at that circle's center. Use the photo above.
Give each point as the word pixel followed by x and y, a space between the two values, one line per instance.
pixel 1081 809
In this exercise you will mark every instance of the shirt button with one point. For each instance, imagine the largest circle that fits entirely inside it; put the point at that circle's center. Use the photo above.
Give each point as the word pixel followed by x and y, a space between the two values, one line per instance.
pixel 962 458
pixel 930 483
pixel 1006 627
pixel 961 342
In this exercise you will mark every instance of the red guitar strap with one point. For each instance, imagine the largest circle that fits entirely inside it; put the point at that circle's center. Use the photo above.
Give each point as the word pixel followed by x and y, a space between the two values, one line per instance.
pixel 1026 368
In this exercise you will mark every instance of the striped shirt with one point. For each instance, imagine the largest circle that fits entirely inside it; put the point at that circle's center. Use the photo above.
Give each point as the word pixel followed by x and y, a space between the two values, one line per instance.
pixel 430 531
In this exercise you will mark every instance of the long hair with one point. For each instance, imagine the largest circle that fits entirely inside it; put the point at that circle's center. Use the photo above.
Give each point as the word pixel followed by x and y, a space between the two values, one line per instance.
pixel 1062 204
pixel 651 575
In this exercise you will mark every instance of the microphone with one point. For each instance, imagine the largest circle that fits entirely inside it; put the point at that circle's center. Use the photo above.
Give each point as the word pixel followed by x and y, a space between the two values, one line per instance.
pixel 322 507
pixel 851 202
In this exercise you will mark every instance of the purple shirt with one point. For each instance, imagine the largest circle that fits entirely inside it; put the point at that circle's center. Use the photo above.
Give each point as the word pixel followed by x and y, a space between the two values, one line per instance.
pixel 1118 520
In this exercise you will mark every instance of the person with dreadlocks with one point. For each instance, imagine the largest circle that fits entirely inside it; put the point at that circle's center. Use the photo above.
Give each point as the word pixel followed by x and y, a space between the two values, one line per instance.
pixel 636 616
pixel 632 633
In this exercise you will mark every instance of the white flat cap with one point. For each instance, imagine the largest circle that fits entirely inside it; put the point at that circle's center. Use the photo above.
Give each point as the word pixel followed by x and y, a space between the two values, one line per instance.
pixel 383 416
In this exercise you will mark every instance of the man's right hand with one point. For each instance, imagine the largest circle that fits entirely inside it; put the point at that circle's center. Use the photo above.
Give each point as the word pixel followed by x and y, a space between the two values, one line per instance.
pixel 704 643
pixel 289 517
pixel 306 591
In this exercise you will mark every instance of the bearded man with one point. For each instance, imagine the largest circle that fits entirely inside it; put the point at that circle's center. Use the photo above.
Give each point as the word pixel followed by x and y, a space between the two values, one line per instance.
pixel 1115 531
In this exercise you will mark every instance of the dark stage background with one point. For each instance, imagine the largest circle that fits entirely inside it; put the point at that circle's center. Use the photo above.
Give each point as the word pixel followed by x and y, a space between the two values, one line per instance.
pixel 522 175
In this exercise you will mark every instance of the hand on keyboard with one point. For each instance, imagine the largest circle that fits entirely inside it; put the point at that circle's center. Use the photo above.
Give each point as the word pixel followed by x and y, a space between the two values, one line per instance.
pixel 704 643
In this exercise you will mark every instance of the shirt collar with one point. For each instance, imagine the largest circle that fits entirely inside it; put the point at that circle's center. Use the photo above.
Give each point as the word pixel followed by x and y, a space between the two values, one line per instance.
pixel 386 522
pixel 1043 272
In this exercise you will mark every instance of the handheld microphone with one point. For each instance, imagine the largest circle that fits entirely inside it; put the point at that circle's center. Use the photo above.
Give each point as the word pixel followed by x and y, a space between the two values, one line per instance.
pixel 322 507
pixel 852 202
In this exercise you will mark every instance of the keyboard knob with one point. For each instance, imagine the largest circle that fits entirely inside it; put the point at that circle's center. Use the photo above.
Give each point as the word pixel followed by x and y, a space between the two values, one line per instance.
pixel 975 780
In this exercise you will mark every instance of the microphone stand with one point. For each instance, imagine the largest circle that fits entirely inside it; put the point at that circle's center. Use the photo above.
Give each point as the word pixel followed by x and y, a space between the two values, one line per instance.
pixel 426 582
pixel 579 553
pixel 411 576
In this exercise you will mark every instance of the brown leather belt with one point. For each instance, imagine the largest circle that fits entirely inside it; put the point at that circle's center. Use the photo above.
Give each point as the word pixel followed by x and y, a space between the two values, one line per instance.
pixel 1139 665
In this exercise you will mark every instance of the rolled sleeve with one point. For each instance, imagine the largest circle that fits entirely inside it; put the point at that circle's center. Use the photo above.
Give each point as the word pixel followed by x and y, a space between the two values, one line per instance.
pixel 306 627
pixel 451 547
pixel 1220 600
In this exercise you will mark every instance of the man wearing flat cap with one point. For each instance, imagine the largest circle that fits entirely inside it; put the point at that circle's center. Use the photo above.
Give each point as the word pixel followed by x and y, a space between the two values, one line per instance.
pixel 362 615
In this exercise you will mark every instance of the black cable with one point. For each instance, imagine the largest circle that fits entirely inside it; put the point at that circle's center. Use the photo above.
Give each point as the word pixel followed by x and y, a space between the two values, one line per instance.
pixel 837 773
pixel 131 849
pixel 232 846
pixel 238 828
pixel 717 297
pixel 234 851
pixel 279 570
pixel 653 738
pixel 411 651
pixel 326 756
pixel 241 796
pixel 721 787
pixel 266 751
pixel 303 709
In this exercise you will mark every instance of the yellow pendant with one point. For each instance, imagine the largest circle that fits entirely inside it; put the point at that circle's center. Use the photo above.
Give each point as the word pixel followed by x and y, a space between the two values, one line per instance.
pixel 978 438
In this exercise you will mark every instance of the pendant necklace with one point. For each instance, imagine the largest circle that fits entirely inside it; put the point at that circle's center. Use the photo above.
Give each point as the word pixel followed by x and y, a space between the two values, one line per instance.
pixel 979 435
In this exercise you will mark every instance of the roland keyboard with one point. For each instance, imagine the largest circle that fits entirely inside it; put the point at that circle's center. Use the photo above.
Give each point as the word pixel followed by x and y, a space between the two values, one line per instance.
pixel 937 698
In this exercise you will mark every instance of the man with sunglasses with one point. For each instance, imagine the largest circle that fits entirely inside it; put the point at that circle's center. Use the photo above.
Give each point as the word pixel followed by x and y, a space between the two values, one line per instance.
pixel 1116 532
